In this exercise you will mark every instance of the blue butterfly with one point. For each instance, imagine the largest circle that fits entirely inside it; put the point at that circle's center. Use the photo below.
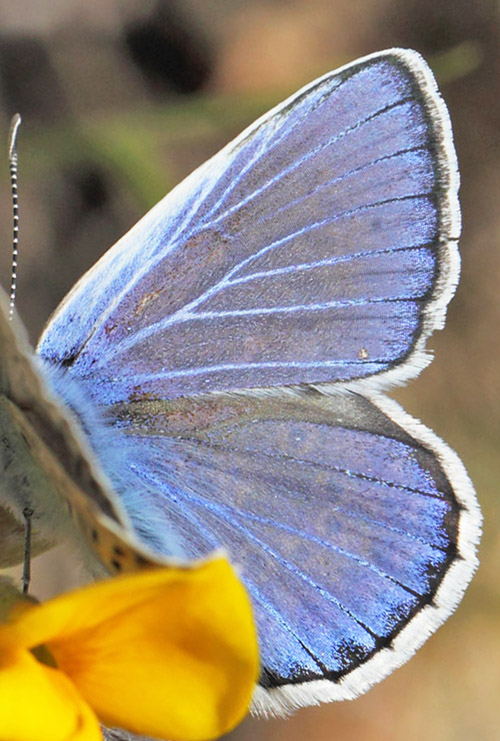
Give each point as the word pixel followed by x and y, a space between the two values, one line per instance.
pixel 222 370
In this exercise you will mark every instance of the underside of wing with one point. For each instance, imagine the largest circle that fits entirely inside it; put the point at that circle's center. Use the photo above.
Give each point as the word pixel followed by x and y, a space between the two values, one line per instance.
pixel 319 246
pixel 353 525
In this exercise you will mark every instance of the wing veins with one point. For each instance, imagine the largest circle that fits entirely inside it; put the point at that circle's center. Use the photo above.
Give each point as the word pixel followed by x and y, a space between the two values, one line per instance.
pixel 256 593
pixel 331 546
pixel 302 307
pixel 338 179
pixel 284 562
pixel 299 162
pixel 146 377
pixel 236 513
pixel 327 94
pixel 186 311
pixel 174 499
pixel 336 260
pixel 322 466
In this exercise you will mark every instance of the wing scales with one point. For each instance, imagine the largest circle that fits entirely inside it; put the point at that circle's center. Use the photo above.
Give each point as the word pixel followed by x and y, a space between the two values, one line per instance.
pixel 318 247
pixel 322 186
pixel 344 525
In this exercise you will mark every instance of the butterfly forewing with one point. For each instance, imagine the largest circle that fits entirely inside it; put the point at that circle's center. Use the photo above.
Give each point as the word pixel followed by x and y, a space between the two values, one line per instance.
pixel 308 250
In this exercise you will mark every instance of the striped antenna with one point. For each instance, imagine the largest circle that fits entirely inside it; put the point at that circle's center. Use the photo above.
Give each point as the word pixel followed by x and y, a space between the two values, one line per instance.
pixel 14 126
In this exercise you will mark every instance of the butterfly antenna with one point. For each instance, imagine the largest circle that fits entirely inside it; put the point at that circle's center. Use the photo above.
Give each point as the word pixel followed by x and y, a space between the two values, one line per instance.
pixel 14 127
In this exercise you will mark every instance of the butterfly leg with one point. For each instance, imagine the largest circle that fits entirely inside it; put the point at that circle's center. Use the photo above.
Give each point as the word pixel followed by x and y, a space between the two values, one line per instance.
pixel 28 514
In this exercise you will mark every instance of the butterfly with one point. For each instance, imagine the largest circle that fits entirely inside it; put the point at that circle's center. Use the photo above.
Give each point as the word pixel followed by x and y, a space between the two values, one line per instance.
pixel 218 378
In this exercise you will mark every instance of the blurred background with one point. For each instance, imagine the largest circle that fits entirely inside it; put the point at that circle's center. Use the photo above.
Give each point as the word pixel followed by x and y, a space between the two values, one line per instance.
pixel 122 99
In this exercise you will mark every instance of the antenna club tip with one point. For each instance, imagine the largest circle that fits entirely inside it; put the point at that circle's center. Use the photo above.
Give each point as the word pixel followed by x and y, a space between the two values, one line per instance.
pixel 14 126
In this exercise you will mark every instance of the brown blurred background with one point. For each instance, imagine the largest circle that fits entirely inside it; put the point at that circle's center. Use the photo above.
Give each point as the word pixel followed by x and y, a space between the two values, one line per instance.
pixel 121 99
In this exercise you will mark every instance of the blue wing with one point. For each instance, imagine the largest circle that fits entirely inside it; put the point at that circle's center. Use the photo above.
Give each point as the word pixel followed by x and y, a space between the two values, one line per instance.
pixel 347 527
pixel 318 246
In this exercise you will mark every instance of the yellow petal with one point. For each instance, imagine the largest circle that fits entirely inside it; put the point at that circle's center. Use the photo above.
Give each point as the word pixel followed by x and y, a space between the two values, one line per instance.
pixel 170 653
pixel 41 704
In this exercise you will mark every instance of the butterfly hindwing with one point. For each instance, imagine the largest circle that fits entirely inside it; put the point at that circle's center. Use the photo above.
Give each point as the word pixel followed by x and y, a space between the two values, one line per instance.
pixel 346 525
pixel 318 246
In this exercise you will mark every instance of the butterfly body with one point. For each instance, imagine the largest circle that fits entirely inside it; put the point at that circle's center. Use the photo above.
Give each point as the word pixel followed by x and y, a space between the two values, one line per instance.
pixel 49 469
pixel 225 365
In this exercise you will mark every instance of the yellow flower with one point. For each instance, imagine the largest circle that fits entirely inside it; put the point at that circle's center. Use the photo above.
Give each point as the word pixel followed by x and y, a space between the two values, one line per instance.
pixel 169 653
